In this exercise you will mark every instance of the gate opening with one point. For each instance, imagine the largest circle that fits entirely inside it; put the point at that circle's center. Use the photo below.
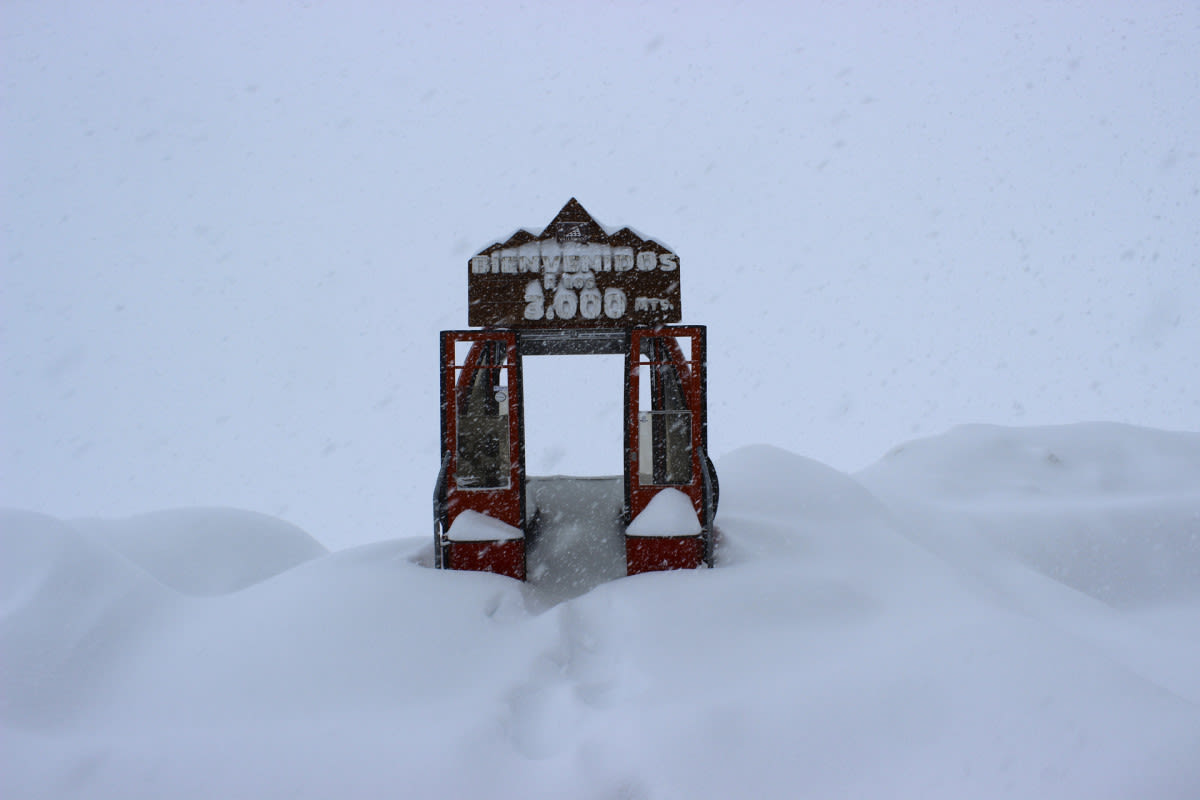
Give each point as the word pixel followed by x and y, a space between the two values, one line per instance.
pixel 574 415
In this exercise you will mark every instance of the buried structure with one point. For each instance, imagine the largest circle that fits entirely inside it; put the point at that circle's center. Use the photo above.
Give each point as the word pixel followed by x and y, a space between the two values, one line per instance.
pixel 574 289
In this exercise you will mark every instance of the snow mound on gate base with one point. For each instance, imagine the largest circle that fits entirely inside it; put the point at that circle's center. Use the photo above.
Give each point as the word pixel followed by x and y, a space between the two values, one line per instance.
pixel 206 551
pixel 669 513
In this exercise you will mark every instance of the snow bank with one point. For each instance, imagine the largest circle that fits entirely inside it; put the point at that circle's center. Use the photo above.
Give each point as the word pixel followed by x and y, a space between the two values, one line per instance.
pixel 1110 510
pixel 1094 462
pixel 206 551
pixel 875 636
pixel 74 616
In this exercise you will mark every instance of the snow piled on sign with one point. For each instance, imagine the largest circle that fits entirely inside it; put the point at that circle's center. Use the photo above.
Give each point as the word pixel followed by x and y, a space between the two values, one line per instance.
pixel 993 612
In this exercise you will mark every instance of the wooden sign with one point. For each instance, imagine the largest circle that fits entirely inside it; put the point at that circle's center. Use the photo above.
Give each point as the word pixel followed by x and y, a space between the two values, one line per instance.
pixel 573 275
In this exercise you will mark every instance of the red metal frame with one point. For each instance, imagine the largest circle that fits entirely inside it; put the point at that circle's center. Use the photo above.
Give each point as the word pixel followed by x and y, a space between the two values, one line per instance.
pixel 658 553
pixel 502 558
pixel 655 553
pixel 506 504
pixel 691 376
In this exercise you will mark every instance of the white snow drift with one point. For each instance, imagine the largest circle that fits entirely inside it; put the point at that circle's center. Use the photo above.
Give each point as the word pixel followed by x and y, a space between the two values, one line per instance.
pixel 993 612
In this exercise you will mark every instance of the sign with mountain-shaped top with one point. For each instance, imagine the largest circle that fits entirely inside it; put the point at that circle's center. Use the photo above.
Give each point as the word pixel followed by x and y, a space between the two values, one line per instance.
pixel 574 274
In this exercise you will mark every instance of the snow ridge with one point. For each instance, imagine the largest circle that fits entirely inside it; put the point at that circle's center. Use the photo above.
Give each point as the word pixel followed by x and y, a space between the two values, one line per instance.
pixel 933 627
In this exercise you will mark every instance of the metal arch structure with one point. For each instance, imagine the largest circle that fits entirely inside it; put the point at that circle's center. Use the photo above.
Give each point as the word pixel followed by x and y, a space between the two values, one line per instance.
pixel 574 289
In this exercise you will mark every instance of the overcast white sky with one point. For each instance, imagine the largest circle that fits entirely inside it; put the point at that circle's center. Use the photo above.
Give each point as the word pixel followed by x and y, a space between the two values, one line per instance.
pixel 231 232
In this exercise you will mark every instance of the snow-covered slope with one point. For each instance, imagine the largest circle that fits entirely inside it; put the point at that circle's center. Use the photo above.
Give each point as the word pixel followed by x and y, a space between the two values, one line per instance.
pixel 1110 510
pixel 206 551
pixel 994 612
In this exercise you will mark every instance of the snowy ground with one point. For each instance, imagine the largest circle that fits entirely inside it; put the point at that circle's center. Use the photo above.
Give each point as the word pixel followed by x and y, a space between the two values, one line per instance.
pixel 993 612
